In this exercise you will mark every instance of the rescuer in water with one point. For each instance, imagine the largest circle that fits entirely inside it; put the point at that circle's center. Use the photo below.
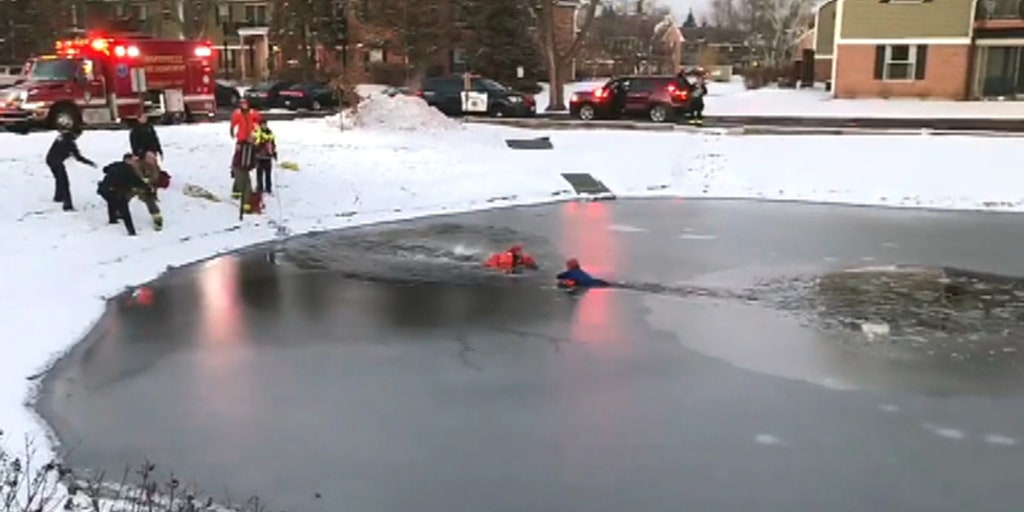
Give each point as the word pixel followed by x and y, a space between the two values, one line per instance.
pixel 511 261
pixel 575 277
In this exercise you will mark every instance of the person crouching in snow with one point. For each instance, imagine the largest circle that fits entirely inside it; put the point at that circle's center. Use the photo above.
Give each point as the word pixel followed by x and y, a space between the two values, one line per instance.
pixel 511 261
pixel 575 277
pixel 266 155
pixel 119 185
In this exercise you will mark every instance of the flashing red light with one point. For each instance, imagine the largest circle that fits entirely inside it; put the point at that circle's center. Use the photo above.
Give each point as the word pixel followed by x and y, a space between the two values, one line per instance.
pixel 600 94
pixel 133 51
pixel 120 51
pixel 677 93
pixel 203 51
pixel 100 45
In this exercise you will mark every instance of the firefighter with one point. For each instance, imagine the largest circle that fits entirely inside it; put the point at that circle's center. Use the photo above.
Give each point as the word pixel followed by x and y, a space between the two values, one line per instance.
pixel 575 277
pixel 699 91
pixel 511 261
pixel 148 169
pixel 266 154
pixel 119 185
pixel 244 121
pixel 143 138
pixel 63 147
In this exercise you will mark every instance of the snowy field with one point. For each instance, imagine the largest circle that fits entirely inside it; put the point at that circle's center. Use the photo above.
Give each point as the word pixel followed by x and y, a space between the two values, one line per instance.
pixel 61 266
pixel 732 99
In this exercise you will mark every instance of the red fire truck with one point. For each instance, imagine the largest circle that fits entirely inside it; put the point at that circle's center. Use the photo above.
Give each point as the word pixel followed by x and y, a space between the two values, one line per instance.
pixel 109 78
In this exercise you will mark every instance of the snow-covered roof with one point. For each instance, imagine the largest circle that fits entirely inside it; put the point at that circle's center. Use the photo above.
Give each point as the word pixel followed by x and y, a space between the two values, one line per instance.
pixel 821 3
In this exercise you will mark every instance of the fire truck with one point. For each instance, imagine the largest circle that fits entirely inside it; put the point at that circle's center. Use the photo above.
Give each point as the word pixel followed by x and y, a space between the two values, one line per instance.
pixel 110 78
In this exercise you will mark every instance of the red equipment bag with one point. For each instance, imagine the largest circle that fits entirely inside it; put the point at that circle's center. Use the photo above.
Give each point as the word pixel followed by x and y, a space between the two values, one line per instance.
pixel 256 203
pixel 163 180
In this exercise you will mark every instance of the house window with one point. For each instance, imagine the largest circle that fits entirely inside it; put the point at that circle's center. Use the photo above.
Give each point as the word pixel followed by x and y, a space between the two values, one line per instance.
pixel 376 55
pixel 223 13
pixel 140 12
pixel 256 14
pixel 900 62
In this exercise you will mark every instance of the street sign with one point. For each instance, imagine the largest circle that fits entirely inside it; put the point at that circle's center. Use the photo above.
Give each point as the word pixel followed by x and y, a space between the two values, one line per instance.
pixel 138 80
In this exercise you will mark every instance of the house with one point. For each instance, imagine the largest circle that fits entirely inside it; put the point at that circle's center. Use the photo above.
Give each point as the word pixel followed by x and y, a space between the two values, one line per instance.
pixel 903 48
pixel 824 39
pixel 998 50
pixel 238 29
pixel 710 46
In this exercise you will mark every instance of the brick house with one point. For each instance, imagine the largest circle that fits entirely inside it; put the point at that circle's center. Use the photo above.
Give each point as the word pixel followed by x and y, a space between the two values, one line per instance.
pixel 998 54
pixel 903 48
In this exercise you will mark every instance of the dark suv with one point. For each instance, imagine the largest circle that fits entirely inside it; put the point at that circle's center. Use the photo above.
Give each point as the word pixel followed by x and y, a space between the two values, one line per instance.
pixel 658 98
pixel 445 94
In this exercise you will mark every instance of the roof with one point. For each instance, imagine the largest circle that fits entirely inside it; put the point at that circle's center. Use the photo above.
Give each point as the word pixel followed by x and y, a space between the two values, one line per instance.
pixel 820 4
pixel 713 34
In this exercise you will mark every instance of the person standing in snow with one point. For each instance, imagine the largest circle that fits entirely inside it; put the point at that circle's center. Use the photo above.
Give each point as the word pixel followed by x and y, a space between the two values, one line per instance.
pixel 266 155
pixel 699 90
pixel 63 148
pixel 148 169
pixel 120 182
pixel 143 138
pixel 244 121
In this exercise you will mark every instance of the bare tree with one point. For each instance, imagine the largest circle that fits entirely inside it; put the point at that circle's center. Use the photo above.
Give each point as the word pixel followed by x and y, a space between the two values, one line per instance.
pixel 774 27
pixel 558 57
pixel 723 14
pixel 30 27
pixel 422 29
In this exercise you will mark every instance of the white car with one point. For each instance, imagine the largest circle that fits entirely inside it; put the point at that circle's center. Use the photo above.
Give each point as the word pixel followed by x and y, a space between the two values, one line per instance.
pixel 11 74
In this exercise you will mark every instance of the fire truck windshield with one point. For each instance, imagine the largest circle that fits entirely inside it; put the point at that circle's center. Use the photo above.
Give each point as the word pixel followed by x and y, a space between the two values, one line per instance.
pixel 52 70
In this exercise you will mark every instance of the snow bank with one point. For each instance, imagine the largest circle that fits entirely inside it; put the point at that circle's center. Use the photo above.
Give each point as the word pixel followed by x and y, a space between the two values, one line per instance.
pixel 399 113
pixel 59 267
pixel 404 113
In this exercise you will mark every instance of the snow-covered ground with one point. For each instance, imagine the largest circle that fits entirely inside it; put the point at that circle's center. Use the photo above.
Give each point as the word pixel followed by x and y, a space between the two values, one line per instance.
pixel 732 99
pixel 60 266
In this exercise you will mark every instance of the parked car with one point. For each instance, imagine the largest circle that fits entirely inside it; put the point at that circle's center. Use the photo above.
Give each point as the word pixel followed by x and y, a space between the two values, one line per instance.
pixel 658 98
pixel 226 95
pixel 310 96
pixel 267 95
pixel 445 94
pixel 11 74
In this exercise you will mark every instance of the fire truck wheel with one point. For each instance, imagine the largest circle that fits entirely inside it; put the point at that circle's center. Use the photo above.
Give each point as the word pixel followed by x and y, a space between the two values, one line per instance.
pixel 65 117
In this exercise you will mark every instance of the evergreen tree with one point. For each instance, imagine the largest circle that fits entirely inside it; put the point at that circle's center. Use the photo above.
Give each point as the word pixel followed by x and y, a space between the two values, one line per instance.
pixel 502 42
pixel 691 21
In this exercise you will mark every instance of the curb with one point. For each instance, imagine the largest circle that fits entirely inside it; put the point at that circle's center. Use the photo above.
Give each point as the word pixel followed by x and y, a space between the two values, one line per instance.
pixel 827 128
pixel 220 116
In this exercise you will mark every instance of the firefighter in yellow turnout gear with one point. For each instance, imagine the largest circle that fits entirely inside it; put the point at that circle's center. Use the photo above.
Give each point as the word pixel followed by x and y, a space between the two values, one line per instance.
pixel 149 170
pixel 266 153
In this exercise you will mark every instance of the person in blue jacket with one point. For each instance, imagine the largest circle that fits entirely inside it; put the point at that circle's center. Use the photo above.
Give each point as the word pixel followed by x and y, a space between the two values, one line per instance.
pixel 575 277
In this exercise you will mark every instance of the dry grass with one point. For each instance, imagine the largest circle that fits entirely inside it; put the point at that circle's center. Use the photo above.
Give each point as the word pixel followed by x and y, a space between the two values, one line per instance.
pixel 29 485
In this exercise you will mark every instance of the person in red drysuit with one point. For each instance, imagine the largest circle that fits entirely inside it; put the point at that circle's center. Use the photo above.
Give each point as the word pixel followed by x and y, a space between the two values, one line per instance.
pixel 511 261
pixel 244 121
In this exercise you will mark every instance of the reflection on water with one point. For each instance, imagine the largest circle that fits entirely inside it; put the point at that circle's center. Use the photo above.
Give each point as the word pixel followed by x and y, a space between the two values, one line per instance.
pixel 585 235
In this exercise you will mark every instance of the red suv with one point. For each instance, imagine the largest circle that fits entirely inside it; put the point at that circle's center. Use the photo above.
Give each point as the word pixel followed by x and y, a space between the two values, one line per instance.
pixel 658 98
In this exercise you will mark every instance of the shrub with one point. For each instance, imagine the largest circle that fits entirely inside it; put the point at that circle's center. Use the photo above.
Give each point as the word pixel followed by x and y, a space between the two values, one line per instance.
pixel 26 485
